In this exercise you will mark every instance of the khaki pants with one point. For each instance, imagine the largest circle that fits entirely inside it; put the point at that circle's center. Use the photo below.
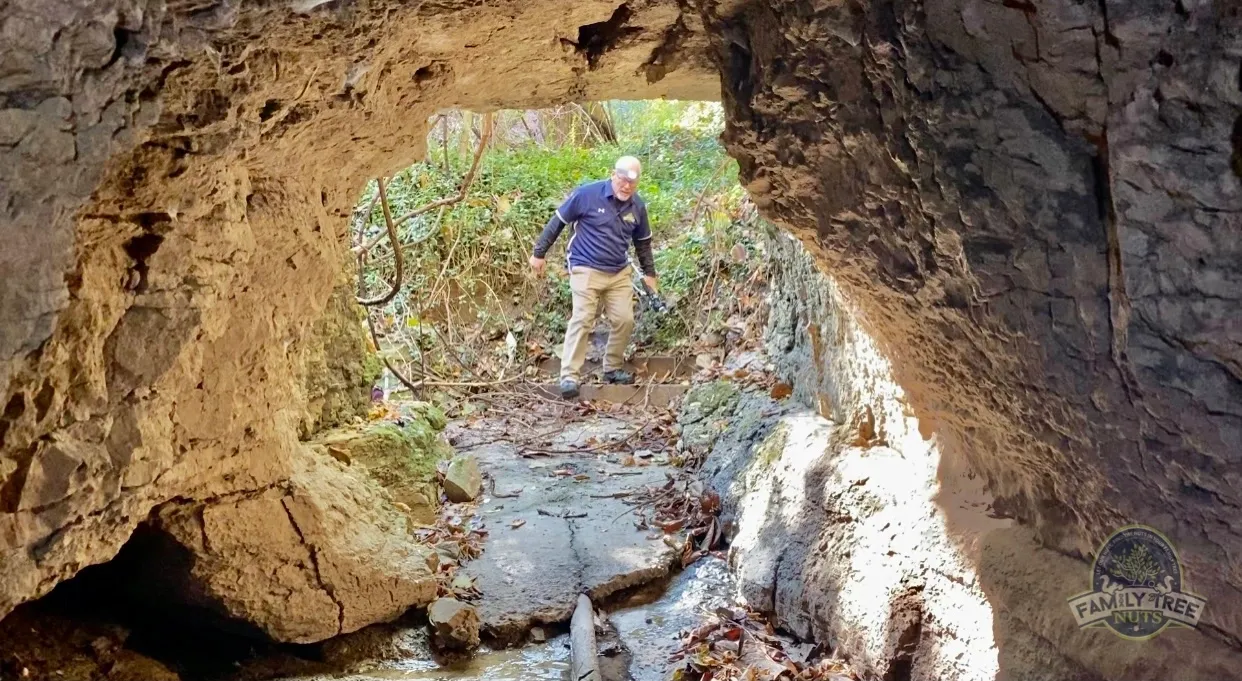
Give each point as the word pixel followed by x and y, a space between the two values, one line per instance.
pixel 590 289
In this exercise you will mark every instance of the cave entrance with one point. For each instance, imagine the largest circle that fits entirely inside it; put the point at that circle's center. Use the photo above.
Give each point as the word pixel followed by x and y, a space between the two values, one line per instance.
pixel 458 393
pixel 1037 222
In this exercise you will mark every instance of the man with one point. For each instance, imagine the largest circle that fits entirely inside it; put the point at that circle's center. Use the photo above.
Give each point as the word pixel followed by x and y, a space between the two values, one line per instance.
pixel 607 216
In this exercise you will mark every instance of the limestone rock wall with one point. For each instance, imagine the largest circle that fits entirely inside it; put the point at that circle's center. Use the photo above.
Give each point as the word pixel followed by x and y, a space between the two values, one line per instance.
pixel 1034 211
pixel 175 181
pixel 340 368
pixel 321 554
pixel 862 528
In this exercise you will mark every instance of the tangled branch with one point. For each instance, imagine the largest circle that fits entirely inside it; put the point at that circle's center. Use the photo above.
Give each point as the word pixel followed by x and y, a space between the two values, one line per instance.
pixel 398 260
pixel 466 181
pixel 391 224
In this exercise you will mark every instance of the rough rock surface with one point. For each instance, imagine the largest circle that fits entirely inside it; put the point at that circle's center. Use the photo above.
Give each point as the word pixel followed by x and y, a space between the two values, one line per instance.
pixel 456 624
pixel 175 183
pixel 705 412
pixel 319 555
pixel 859 527
pixel 1034 211
pixel 463 481
pixel 339 371
pixel 898 562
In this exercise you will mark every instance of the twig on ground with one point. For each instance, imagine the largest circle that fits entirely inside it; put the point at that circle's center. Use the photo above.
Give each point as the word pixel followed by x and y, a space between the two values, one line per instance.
pixel 562 514
pixel 498 495
pixel 516 443
pixel 470 384
pixel 600 447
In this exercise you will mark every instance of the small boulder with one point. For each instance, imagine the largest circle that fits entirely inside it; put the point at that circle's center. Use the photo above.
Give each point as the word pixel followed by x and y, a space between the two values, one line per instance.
pixel 463 481
pixel 454 624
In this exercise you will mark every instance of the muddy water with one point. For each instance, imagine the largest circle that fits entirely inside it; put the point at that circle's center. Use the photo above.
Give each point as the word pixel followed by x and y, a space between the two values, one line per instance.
pixel 544 662
pixel 650 631
pixel 648 625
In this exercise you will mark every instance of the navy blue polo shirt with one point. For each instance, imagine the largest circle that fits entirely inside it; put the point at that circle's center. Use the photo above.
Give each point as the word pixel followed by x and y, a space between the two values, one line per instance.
pixel 605 226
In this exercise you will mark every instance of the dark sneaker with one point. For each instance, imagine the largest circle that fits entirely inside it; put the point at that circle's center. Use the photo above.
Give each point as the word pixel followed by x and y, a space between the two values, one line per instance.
pixel 569 388
pixel 618 376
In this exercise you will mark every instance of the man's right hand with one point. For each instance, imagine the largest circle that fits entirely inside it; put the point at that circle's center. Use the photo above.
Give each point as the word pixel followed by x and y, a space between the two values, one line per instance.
pixel 537 265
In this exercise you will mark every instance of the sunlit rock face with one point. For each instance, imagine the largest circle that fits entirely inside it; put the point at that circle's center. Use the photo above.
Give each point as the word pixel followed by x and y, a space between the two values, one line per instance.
pixel 1032 209
pixel 863 529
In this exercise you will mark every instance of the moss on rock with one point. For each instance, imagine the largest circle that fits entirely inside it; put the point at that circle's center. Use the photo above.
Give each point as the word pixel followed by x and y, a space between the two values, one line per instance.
pixel 770 450
pixel 705 412
pixel 709 399
pixel 339 367
pixel 402 457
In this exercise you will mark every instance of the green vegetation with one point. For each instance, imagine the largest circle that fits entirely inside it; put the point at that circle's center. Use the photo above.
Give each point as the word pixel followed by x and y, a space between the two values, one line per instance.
pixel 468 303
pixel 401 456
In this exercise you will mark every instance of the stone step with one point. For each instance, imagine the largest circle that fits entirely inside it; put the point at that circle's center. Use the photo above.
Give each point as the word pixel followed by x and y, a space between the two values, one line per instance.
pixel 651 394
pixel 658 368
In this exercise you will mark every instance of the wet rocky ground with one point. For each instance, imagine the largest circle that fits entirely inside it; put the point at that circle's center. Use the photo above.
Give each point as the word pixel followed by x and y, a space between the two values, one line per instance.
pixel 559 513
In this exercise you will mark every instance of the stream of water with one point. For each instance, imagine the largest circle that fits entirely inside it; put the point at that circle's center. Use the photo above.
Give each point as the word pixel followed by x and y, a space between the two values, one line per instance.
pixel 648 628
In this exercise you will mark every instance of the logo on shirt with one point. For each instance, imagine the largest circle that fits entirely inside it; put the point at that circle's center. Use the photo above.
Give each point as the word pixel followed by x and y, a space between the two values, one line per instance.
pixel 601 211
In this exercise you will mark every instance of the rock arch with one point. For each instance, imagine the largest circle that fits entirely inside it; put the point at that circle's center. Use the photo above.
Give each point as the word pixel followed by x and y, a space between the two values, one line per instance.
pixel 1032 205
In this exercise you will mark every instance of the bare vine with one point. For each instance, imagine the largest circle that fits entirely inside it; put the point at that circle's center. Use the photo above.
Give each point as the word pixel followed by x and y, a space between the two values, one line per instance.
pixel 398 260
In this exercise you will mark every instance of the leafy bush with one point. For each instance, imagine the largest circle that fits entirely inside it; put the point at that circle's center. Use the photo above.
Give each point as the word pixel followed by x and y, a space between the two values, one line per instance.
pixel 466 265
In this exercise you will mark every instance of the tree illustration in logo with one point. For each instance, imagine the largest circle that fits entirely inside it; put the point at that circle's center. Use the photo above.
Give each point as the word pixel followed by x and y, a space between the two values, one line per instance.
pixel 1138 567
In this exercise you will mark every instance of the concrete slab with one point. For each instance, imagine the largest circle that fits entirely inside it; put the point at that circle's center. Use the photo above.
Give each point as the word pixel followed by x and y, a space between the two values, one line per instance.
pixel 562 535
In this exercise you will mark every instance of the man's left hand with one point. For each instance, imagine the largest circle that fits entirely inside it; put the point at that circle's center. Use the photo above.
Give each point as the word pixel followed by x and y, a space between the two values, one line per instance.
pixel 650 281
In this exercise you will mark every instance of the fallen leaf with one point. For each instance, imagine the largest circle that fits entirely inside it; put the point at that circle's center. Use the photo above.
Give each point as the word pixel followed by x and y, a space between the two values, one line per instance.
pixel 781 390
pixel 672 526
pixel 517 523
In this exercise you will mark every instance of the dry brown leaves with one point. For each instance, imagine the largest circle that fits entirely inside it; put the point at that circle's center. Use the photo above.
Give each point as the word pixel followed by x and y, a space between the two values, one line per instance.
pixel 511 417
pixel 739 644
pixel 456 538
pixel 743 378
pixel 680 506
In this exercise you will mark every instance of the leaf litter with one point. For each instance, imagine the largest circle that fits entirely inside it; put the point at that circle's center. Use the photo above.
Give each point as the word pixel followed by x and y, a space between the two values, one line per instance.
pixel 741 644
